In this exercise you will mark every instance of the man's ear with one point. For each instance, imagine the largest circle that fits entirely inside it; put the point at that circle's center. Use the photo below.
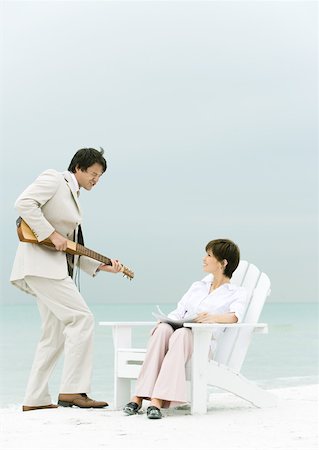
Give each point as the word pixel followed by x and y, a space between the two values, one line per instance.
pixel 225 262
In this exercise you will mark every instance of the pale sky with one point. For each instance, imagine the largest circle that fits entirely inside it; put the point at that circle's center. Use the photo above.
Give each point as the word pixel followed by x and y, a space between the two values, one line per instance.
pixel 208 115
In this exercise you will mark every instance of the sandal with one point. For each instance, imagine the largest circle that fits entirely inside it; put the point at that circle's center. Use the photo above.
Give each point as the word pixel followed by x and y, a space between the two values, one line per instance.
pixel 131 408
pixel 153 412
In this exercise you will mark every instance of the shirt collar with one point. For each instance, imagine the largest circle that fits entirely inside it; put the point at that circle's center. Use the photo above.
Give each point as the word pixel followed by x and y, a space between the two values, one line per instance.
pixel 209 278
pixel 75 183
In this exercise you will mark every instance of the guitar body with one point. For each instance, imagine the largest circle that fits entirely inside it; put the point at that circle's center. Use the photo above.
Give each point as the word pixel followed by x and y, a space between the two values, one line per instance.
pixel 25 234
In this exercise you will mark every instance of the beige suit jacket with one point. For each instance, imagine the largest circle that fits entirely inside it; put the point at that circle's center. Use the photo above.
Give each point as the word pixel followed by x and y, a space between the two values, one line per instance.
pixel 49 203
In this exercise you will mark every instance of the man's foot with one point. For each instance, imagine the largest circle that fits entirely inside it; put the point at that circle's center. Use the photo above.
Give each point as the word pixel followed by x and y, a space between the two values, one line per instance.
pixel 33 408
pixel 80 400
pixel 131 408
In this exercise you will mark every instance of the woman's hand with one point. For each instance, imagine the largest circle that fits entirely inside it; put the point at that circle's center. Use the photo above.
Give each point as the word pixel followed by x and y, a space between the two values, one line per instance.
pixel 204 317
pixel 114 268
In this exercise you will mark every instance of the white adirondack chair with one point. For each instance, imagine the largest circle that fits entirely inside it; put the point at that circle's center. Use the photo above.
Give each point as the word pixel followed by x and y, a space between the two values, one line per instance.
pixel 223 371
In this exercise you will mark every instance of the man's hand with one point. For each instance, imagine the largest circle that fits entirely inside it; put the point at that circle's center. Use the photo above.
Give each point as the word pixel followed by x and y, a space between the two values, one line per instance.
pixel 114 268
pixel 60 242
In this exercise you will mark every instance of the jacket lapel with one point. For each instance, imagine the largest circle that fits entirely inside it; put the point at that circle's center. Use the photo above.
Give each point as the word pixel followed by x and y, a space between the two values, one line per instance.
pixel 71 186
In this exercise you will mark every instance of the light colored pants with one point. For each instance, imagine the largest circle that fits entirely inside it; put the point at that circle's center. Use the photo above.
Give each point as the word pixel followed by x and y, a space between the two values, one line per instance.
pixel 163 372
pixel 67 324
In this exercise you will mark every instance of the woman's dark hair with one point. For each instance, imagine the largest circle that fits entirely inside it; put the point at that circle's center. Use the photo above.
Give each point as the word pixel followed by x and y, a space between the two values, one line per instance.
pixel 86 157
pixel 225 249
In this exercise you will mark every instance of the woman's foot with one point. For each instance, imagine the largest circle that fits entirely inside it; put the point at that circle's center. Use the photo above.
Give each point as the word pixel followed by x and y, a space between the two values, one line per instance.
pixel 133 407
pixel 153 412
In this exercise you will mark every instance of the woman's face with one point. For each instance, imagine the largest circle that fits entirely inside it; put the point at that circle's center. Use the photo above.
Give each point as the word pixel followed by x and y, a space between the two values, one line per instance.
pixel 211 264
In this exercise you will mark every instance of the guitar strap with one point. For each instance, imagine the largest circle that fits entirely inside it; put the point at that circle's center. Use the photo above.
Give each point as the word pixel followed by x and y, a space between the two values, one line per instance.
pixel 80 236
pixel 70 258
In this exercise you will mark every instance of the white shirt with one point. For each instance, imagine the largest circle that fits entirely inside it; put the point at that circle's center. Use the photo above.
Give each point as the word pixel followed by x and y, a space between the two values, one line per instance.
pixel 227 298
pixel 75 183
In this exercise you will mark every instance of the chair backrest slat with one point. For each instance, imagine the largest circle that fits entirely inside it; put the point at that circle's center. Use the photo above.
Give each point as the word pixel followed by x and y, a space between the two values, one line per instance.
pixel 233 344
pixel 239 273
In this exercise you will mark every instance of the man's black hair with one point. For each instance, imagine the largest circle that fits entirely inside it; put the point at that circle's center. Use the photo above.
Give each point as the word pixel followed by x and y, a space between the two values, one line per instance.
pixel 86 157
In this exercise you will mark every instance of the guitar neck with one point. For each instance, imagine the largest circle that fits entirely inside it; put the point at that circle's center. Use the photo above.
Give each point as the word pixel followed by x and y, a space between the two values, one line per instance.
pixel 84 251
pixel 78 249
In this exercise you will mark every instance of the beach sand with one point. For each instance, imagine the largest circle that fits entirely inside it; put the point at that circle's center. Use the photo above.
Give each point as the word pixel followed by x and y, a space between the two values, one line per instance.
pixel 231 423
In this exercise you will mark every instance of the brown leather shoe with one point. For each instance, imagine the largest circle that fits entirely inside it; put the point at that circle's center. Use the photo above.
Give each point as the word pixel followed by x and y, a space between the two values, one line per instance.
pixel 33 408
pixel 80 400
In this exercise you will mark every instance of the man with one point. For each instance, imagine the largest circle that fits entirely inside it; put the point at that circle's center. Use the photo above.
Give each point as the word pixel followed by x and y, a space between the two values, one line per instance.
pixel 50 207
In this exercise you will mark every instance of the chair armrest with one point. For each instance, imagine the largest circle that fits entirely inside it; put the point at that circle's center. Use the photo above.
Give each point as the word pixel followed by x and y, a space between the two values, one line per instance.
pixel 257 327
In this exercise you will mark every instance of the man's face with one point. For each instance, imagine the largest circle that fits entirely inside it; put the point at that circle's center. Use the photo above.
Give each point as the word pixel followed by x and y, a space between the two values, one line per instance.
pixel 89 177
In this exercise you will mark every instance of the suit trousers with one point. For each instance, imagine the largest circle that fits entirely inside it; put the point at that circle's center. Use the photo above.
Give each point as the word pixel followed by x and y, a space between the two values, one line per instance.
pixel 163 373
pixel 67 324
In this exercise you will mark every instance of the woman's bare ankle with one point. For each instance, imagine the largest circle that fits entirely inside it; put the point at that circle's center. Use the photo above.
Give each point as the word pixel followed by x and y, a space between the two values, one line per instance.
pixel 137 400
pixel 156 402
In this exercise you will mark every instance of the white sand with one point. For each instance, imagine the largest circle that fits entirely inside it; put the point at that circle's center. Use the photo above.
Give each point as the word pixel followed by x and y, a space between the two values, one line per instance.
pixel 231 423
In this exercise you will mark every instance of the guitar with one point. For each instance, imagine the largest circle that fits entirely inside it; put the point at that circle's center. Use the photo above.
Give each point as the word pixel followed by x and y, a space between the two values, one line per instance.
pixel 26 235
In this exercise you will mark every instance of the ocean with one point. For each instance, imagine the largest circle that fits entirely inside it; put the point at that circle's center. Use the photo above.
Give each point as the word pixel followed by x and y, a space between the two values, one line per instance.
pixel 286 356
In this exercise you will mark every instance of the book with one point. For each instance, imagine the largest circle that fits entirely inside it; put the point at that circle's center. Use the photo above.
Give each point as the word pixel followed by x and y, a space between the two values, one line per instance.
pixel 175 323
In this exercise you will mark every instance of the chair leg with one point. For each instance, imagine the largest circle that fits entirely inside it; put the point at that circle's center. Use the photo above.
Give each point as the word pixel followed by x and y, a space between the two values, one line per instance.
pixel 225 379
pixel 199 364
pixel 122 392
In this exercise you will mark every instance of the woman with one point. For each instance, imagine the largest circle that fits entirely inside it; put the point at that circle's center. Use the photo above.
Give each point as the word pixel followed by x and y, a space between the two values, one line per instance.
pixel 213 300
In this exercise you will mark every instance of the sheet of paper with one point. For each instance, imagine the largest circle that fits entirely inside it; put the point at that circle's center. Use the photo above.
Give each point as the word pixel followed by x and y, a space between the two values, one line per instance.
pixel 175 323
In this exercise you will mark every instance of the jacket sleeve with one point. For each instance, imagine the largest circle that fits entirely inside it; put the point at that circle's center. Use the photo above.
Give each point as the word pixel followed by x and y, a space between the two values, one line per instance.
pixel 88 265
pixel 31 200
